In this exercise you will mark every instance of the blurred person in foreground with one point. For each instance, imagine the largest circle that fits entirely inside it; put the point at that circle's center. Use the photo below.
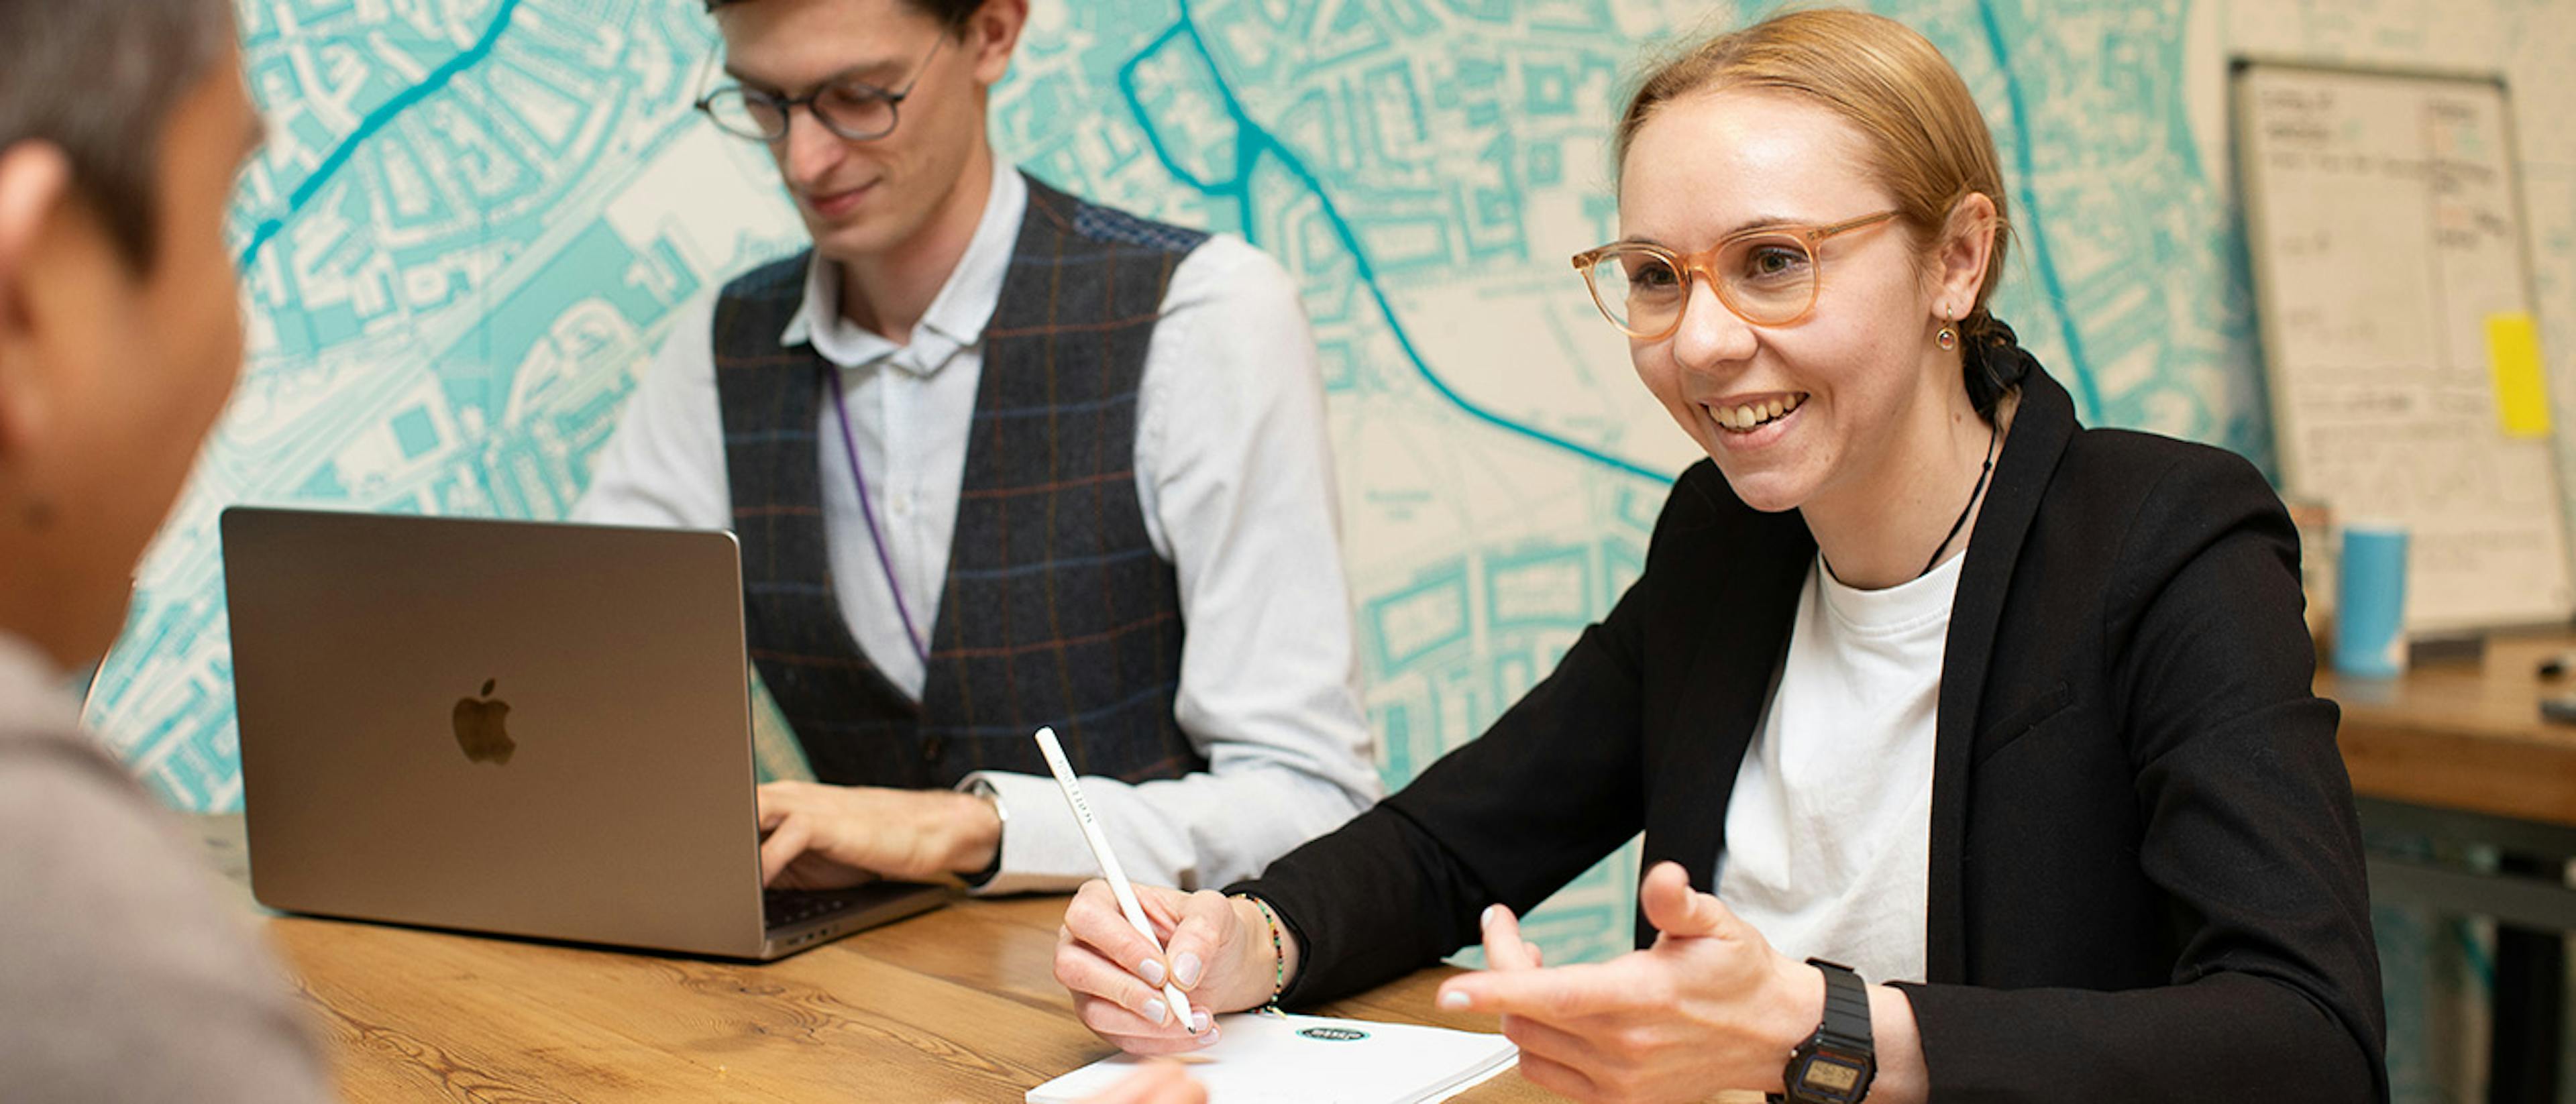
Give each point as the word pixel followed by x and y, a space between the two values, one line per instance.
pixel 123 976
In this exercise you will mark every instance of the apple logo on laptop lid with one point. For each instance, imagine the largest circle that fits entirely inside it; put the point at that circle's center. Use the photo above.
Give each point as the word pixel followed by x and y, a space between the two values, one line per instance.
pixel 482 727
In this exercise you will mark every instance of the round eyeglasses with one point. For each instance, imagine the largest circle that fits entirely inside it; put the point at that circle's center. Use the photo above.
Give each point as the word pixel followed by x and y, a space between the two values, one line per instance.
pixel 846 105
pixel 1766 275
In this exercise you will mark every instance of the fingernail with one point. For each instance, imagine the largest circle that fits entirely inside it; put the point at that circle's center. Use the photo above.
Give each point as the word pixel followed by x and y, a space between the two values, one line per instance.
pixel 1487 920
pixel 1454 1001
pixel 1185 969
pixel 1151 971
pixel 1157 1012
pixel 1201 1022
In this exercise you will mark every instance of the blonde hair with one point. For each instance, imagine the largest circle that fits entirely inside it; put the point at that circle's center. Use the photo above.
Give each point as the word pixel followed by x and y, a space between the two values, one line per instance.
pixel 1928 145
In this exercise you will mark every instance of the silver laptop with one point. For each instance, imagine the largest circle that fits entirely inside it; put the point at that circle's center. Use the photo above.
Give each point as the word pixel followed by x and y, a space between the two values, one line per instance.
pixel 510 727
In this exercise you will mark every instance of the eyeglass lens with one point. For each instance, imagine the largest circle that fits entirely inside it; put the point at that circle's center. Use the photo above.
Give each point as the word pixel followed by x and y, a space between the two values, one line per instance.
pixel 851 109
pixel 1767 279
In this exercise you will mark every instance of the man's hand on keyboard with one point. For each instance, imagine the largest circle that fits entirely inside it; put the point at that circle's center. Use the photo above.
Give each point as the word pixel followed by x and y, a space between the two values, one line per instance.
pixel 816 836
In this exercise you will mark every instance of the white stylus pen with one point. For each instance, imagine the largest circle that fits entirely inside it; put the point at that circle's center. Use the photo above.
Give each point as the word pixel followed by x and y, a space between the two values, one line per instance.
pixel 1062 768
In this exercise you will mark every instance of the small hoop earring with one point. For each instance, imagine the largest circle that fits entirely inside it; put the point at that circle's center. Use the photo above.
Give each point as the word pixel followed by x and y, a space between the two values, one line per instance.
pixel 1948 338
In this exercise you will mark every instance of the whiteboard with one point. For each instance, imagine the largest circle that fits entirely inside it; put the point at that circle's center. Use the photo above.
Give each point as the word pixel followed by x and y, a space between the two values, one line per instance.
pixel 2384 219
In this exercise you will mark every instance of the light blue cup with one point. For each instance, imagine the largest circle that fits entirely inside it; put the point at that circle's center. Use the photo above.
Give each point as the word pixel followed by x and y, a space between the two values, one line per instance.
pixel 2370 602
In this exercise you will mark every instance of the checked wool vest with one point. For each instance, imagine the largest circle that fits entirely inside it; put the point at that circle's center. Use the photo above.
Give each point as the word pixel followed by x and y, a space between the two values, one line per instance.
pixel 1056 609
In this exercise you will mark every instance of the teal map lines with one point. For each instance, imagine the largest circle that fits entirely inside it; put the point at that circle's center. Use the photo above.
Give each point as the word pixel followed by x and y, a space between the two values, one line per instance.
pixel 2126 273
pixel 1411 167
pixel 476 219
pixel 451 277
pixel 1489 204
pixel 376 120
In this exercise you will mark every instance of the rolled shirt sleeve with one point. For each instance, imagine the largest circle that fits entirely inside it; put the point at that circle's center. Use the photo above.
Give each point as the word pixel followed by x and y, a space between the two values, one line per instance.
pixel 1234 467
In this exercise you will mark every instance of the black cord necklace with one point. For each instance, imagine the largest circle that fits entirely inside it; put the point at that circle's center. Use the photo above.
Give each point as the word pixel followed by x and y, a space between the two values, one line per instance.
pixel 1994 432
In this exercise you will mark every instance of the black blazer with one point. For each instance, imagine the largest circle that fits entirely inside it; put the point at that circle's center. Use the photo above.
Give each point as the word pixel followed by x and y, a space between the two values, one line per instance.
pixel 2146 873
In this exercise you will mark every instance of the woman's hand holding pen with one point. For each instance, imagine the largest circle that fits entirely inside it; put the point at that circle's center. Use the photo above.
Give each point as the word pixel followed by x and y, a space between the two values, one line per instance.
pixel 1217 949
pixel 1710 1006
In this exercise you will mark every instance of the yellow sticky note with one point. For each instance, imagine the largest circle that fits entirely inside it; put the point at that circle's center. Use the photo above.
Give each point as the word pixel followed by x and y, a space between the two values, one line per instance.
pixel 2522 389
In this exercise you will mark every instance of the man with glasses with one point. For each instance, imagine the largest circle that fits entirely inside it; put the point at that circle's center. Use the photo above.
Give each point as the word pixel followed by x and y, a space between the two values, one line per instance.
pixel 999 458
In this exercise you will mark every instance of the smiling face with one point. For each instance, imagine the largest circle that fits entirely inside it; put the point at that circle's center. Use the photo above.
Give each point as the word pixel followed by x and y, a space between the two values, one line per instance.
pixel 864 199
pixel 1798 412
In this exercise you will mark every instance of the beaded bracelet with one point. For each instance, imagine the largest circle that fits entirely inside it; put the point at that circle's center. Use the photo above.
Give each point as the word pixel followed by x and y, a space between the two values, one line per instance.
pixel 1278 951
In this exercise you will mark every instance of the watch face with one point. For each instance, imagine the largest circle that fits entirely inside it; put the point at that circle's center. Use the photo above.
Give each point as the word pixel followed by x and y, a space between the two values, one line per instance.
pixel 1828 1077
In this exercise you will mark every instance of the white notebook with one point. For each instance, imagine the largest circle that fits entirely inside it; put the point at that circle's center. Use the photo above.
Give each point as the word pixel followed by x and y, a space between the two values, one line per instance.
pixel 1265 1057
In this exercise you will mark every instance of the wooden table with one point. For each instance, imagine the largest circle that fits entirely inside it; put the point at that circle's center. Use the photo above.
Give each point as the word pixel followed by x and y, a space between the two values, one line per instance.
pixel 958 1004
pixel 961 1004
pixel 2464 736
pixel 2457 754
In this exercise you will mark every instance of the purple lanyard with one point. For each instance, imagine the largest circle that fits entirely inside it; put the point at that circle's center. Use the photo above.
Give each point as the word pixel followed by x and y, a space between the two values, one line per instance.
pixel 868 511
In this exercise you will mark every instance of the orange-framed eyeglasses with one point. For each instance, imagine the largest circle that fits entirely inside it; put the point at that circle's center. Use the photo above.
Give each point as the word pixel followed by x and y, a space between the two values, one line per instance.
pixel 1767 276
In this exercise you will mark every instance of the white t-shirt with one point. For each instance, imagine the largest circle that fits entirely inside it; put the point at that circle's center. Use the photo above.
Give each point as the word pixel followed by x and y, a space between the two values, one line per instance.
pixel 1828 835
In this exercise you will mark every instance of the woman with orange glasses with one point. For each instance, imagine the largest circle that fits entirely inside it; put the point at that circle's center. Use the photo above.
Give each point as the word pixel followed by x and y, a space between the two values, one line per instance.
pixel 1974 751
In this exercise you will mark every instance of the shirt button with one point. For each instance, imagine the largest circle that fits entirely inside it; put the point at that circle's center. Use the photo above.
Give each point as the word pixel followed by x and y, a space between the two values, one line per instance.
pixel 902 505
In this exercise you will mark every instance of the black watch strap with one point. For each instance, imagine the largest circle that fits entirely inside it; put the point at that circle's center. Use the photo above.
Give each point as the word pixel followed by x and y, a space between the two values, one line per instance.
pixel 983 788
pixel 1844 1036
pixel 1846 1006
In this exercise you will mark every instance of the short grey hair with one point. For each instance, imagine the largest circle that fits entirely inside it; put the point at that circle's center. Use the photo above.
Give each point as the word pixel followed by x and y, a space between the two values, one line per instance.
pixel 99 78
